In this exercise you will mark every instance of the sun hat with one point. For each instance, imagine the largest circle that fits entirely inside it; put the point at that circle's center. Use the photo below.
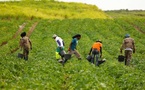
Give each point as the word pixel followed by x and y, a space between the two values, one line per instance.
pixel 54 35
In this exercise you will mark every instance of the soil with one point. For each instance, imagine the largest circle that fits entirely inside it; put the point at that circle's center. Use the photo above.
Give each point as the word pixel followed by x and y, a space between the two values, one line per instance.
pixel 138 29
pixel 32 29
pixel 28 34
pixel 20 30
pixel 15 35
pixel 4 43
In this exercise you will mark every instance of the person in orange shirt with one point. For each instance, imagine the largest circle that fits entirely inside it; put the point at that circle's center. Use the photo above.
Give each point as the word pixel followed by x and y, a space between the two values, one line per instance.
pixel 96 51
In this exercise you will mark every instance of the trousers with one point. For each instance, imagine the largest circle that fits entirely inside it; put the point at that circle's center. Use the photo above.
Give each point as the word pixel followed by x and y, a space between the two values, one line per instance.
pixel 25 53
pixel 128 56
pixel 95 57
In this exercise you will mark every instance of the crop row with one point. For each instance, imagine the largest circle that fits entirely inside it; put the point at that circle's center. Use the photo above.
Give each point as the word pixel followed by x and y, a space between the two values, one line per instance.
pixel 42 71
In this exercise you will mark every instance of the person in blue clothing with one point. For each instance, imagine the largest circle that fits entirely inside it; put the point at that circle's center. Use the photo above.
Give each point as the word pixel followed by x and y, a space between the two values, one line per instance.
pixel 72 48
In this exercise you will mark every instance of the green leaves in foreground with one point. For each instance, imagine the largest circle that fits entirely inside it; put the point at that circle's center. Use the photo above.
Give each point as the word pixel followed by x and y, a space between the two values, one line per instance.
pixel 42 71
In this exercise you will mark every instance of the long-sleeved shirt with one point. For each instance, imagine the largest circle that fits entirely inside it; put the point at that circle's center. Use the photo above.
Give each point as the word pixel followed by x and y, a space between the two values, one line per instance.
pixel 128 43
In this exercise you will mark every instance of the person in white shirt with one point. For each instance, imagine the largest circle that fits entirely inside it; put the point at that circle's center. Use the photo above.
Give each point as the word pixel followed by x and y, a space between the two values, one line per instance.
pixel 60 46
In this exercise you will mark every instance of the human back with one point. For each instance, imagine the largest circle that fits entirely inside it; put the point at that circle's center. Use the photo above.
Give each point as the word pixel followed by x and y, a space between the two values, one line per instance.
pixel 97 45
pixel 128 43
pixel 25 42
pixel 128 46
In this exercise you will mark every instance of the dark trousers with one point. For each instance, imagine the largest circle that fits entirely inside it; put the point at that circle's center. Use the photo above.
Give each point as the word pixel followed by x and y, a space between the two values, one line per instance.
pixel 25 53
pixel 95 57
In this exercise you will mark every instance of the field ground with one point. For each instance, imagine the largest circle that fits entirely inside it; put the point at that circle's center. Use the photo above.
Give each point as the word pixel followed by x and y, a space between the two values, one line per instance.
pixel 42 70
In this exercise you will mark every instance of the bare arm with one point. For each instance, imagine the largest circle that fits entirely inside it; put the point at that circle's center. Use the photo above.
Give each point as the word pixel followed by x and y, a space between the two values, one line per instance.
pixel 69 46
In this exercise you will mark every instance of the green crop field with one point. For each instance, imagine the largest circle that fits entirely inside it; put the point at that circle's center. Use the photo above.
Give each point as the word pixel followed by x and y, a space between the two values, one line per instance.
pixel 42 70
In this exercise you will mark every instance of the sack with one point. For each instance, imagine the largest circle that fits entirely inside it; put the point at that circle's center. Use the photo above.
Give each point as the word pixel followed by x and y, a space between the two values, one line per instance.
pixel 20 55
pixel 121 58
pixel 67 56
pixel 62 53
pixel 89 57
pixel 101 61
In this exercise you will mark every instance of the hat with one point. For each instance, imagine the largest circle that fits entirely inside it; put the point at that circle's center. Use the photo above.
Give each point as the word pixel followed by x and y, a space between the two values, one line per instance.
pixel 127 36
pixel 98 40
pixel 54 35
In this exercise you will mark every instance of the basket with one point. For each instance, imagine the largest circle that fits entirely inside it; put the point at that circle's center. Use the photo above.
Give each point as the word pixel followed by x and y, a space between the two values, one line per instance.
pixel 20 55
pixel 67 56
pixel 121 58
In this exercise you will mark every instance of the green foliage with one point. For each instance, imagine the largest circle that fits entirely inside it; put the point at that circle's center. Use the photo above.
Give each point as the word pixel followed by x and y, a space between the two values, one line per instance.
pixel 48 10
pixel 42 71
pixel 126 13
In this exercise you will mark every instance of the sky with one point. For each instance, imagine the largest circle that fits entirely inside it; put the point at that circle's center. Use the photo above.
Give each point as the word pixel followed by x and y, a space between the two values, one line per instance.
pixel 114 4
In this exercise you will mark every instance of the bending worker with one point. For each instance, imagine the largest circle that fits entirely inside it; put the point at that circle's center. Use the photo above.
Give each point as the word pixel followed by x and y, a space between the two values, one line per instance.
pixel 96 51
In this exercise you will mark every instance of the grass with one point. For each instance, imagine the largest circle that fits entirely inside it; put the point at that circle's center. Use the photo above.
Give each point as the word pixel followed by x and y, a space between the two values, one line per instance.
pixel 42 71
pixel 49 10
pixel 126 13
